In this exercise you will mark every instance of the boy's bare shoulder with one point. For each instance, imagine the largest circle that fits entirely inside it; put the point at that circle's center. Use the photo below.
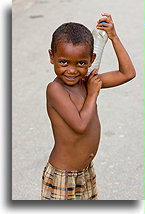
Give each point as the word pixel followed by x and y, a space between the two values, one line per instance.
pixel 54 87
pixel 55 92
pixel 52 91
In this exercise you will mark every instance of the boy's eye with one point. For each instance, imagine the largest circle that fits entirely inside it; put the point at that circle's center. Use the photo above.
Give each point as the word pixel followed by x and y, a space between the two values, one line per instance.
pixel 81 63
pixel 63 62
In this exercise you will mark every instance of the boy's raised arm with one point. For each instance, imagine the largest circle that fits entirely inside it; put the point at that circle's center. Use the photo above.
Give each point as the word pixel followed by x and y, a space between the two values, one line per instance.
pixel 126 69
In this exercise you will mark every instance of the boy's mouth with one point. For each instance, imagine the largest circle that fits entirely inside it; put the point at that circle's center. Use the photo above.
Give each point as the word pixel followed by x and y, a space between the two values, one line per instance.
pixel 71 77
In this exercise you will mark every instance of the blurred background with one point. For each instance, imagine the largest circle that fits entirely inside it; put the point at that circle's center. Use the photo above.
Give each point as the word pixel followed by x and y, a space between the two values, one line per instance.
pixel 119 162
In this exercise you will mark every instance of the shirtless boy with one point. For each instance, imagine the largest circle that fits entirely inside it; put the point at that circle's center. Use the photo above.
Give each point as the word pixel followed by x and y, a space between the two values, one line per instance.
pixel 72 109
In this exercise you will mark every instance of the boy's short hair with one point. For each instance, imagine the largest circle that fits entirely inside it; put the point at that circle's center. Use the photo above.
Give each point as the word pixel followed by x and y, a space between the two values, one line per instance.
pixel 72 32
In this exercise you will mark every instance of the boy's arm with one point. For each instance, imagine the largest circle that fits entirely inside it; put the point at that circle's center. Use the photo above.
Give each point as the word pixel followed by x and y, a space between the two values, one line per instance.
pixel 58 98
pixel 126 70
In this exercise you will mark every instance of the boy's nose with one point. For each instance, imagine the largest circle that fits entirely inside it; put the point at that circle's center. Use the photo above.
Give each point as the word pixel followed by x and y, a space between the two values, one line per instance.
pixel 72 70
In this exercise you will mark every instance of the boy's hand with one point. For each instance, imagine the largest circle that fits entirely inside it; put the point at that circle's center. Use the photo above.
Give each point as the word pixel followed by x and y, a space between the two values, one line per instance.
pixel 94 84
pixel 108 26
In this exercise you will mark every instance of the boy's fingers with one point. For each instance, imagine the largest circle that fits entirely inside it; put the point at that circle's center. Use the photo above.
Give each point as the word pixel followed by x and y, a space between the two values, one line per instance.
pixel 103 20
pixel 97 78
pixel 102 25
pixel 107 14
pixel 94 71
pixel 91 74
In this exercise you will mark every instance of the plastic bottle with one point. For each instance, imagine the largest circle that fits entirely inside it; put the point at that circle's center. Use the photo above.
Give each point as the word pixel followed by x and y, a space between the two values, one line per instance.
pixel 100 39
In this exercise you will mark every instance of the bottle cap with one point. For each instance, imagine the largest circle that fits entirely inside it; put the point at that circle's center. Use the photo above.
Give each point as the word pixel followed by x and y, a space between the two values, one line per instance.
pixel 103 22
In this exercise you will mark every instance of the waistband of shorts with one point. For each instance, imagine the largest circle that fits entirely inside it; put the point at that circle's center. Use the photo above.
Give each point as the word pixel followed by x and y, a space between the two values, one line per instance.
pixel 69 171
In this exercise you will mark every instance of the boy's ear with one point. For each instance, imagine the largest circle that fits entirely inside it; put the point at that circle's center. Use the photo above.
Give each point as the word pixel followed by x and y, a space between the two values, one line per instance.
pixel 92 59
pixel 51 56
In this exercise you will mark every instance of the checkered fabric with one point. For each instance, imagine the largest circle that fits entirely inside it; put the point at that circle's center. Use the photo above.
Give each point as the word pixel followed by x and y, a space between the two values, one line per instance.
pixel 69 185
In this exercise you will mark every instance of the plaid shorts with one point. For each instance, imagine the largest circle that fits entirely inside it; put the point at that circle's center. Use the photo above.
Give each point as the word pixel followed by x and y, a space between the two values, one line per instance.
pixel 69 185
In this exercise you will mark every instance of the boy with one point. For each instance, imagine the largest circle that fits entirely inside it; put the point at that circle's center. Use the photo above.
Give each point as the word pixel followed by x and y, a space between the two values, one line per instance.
pixel 72 109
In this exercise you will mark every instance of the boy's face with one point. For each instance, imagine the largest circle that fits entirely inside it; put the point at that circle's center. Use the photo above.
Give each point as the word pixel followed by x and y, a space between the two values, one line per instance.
pixel 71 62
